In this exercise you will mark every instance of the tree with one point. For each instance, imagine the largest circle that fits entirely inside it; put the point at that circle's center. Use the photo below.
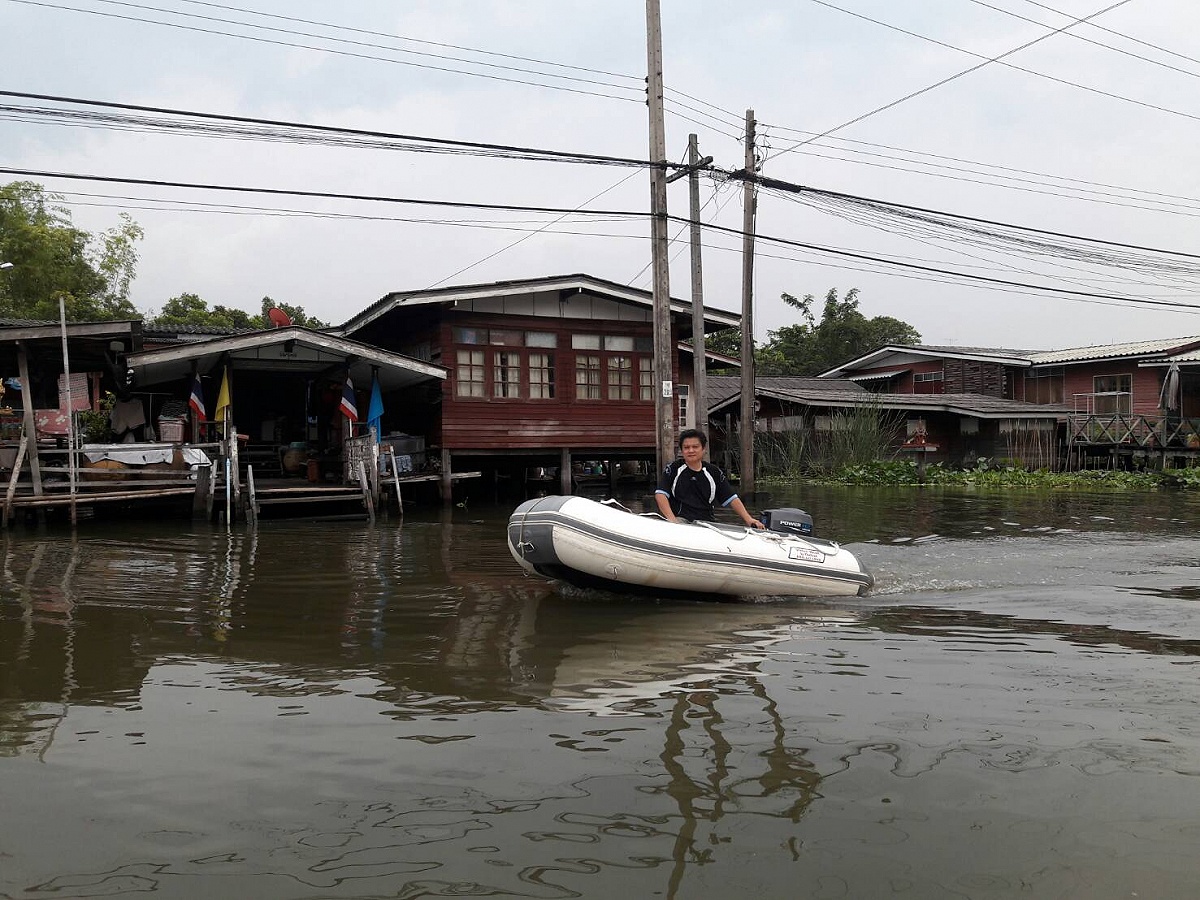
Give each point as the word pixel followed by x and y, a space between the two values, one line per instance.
pixel 53 260
pixel 812 347
pixel 295 313
pixel 191 309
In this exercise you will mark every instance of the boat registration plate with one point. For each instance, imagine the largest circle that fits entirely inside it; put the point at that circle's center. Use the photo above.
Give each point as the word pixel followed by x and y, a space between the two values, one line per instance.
pixel 805 553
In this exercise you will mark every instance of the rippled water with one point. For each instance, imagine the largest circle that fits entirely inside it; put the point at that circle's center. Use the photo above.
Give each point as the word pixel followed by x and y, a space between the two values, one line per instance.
pixel 335 710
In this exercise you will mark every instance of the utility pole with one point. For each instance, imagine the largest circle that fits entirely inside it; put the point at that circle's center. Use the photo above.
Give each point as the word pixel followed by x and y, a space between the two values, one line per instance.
pixel 664 418
pixel 749 202
pixel 699 362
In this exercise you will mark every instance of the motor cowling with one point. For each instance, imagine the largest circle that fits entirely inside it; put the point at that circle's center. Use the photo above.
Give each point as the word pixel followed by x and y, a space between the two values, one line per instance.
pixel 787 520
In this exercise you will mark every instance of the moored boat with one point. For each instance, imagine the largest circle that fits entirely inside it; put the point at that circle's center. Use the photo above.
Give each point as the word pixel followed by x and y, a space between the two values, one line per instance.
pixel 590 544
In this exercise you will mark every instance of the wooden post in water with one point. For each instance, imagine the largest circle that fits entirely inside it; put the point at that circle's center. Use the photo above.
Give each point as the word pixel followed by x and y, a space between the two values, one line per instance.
pixel 12 481
pixel 365 484
pixel 35 465
pixel 203 499
pixel 396 480
pixel 72 457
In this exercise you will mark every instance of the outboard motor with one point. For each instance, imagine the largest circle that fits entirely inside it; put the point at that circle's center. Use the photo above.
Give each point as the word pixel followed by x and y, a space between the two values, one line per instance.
pixel 787 520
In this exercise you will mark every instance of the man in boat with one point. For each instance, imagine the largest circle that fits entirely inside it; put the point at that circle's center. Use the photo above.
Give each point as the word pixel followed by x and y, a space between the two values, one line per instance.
pixel 690 488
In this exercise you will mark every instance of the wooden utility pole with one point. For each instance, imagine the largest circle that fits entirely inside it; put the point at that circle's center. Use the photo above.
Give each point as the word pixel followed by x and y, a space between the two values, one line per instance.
pixel 749 201
pixel 664 418
pixel 699 362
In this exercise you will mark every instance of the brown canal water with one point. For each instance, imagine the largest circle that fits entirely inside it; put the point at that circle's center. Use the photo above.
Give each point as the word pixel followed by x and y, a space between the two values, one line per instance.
pixel 332 710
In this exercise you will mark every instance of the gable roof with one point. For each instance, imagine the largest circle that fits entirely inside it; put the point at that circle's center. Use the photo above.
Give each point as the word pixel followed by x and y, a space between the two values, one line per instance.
pixel 978 406
pixel 269 350
pixel 1159 348
pixel 563 285
pixel 894 354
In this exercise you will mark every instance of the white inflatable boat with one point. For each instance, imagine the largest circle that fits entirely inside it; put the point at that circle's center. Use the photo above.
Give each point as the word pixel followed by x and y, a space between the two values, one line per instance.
pixel 603 545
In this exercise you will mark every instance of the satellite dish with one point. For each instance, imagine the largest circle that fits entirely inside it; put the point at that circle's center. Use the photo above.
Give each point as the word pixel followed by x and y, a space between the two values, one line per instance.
pixel 279 319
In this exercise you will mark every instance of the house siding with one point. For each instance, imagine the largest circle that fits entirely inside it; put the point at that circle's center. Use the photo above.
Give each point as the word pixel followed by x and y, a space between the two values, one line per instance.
pixel 492 424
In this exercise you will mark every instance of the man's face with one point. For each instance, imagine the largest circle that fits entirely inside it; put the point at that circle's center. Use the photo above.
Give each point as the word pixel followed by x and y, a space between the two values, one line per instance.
pixel 692 450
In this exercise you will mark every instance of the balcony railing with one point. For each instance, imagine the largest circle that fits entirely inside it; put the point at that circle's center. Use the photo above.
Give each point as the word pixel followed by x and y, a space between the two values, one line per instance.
pixel 1157 432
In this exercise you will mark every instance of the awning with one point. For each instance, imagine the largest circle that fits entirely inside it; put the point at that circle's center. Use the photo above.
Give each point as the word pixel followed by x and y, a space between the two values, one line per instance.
pixel 876 376
pixel 290 349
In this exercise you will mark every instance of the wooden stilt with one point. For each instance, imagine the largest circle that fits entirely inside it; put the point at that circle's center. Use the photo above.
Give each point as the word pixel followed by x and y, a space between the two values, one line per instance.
pixel 12 482
pixel 202 500
pixel 365 484
pixel 564 471
pixel 447 484
pixel 396 480
pixel 252 501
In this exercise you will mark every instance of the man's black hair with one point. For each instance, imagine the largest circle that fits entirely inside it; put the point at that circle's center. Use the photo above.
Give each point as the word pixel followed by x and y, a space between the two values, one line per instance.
pixel 692 433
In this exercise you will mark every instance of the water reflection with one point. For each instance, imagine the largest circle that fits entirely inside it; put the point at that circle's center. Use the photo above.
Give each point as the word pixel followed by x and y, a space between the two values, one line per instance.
pixel 395 711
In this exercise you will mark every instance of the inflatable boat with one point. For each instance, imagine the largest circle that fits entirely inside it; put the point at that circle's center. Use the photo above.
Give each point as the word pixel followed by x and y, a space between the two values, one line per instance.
pixel 604 545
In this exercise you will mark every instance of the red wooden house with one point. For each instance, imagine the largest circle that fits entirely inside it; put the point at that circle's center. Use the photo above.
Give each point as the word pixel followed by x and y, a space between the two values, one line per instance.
pixel 1112 393
pixel 549 377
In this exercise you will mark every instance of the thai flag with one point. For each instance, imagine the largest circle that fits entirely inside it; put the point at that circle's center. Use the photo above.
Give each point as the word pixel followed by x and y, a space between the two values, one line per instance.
pixel 349 406
pixel 196 401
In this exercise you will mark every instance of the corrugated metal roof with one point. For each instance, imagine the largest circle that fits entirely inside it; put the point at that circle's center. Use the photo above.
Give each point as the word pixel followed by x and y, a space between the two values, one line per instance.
pixel 977 405
pixel 876 376
pixel 1113 351
pixel 1191 356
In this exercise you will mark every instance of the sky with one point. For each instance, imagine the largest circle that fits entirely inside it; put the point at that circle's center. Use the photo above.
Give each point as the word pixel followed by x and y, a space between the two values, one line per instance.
pixel 1088 132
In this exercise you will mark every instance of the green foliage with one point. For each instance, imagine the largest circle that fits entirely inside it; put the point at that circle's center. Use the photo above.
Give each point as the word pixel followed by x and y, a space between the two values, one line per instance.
pixel 191 309
pixel 95 425
pixel 858 436
pixel 53 260
pixel 295 313
pixel 989 473
pixel 811 347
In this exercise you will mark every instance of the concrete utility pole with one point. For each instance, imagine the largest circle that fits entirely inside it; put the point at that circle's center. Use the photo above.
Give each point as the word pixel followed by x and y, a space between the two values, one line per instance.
pixel 699 362
pixel 749 202
pixel 664 411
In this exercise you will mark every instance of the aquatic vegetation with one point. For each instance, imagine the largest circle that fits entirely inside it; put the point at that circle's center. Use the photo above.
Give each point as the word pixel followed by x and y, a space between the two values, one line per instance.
pixel 995 474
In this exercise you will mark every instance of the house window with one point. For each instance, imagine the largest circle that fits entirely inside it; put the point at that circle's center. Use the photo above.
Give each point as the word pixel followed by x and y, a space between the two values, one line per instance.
pixel 927 382
pixel 501 338
pixel 1044 384
pixel 618 343
pixel 620 378
pixel 541 339
pixel 682 391
pixel 1113 395
pixel 587 376
pixel 506 374
pixel 646 378
pixel 470 335
pixel 468 380
pixel 541 376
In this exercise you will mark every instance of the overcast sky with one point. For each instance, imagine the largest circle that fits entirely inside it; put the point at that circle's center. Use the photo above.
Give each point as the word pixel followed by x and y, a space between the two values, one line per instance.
pixel 1095 138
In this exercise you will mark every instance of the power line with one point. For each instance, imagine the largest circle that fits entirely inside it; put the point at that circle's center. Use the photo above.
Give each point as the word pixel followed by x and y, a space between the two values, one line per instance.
pixel 474 146
pixel 793 188
pixel 413 40
pixel 624 213
pixel 321 195
pixel 347 53
pixel 1086 40
pixel 986 165
pixel 528 236
pixel 929 269
pixel 986 61
pixel 1119 34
